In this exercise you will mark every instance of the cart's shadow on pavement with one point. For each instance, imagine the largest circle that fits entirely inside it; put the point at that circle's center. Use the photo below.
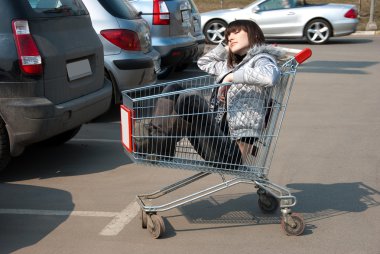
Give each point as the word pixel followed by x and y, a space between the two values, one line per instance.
pixel 314 201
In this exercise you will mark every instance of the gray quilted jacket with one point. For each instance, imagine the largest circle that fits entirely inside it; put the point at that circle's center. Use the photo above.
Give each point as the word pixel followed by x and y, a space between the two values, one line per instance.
pixel 246 96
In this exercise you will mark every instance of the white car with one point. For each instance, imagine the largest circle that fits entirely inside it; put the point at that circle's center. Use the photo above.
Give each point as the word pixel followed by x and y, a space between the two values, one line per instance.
pixel 286 19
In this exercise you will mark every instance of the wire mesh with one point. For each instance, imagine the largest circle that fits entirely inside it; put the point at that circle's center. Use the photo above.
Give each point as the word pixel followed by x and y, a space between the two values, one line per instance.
pixel 178 125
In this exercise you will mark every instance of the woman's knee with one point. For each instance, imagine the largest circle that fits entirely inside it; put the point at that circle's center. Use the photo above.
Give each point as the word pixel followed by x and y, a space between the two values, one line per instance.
pixel 191 103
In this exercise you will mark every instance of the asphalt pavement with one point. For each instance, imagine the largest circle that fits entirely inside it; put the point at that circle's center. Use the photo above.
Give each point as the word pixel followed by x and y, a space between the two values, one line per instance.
pixel 80 197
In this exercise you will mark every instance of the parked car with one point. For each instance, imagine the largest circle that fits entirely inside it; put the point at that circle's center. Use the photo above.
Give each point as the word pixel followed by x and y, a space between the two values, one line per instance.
pixel 129 58
pixel 298 19
pixel 172 25
pixel 51 73
pixel 196 31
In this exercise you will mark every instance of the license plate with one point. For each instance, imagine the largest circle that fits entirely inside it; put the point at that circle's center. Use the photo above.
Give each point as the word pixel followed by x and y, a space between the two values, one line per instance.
pixel 185 15
pixel 78 69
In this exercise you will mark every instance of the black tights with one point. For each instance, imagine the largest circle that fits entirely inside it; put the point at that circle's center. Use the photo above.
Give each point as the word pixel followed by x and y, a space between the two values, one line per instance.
pixel 197 123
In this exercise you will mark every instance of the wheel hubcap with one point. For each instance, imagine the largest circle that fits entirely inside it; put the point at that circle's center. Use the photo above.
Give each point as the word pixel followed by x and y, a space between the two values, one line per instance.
pixel 215 32
pixel 318 32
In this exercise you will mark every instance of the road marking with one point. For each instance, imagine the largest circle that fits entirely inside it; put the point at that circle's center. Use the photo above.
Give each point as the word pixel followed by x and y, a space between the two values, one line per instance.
pixel 58 213
pixel 121 220
pixel 118 222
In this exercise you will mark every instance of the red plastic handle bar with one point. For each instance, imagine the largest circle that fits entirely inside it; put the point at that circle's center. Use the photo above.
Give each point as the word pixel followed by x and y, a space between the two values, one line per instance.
pixel 303 55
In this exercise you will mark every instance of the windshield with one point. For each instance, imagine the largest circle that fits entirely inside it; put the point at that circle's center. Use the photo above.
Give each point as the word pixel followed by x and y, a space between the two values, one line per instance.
pixel 254 3
pixel 58 7
pixel 120 8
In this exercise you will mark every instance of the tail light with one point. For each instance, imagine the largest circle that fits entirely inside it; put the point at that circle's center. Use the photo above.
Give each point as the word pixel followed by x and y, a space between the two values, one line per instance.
pixel 28 53
pixel 351 14
pixel 161 14
pixel 125 39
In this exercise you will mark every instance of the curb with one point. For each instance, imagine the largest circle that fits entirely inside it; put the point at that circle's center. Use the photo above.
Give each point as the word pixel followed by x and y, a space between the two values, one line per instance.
pixel 366 33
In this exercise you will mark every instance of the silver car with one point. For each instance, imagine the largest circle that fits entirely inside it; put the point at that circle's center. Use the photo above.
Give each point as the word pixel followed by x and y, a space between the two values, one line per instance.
pixel 172 28
pixel 286 19
pixel 129 58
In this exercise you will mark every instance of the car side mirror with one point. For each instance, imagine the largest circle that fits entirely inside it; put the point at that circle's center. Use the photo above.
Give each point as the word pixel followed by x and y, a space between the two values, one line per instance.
pixel 255 9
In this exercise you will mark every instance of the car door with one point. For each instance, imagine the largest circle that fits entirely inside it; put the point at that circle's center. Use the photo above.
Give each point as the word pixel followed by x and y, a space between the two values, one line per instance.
pixel 71 52
pixel 278 21
pixel 196 23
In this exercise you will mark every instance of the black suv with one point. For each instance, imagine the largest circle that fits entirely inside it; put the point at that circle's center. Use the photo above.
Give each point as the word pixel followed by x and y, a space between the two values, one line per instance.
pixel 51 73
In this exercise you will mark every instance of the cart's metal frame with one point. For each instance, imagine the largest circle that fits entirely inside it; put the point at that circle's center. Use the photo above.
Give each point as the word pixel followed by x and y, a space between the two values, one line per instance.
pixel 270 194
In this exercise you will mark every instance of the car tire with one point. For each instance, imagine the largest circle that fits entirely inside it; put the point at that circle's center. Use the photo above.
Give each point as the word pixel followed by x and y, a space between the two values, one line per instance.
pixel 5 155
pixel 317 31
pixel 61 138
pixel 165 72
pixel 214 31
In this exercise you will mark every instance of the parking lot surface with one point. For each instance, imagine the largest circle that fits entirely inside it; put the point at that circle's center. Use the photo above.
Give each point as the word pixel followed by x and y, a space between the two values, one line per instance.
pixel 80 197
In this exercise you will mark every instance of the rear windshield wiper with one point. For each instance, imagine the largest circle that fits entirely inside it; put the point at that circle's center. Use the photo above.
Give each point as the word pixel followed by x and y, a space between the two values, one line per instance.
pixel 60 9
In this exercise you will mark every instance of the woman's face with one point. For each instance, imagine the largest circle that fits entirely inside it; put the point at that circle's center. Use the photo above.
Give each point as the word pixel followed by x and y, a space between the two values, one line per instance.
pixel 238 42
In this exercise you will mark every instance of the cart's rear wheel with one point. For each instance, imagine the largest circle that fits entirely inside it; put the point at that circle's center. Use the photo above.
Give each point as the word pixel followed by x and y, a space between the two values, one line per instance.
pixel 267 203
pixel 156 226
pixel 144 219
pixel 296 229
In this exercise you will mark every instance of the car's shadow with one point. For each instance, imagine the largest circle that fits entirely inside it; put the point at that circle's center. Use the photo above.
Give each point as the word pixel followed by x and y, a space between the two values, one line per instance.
pixel 77 157
pixel 96 148
pixel 22 221
pixel 332 41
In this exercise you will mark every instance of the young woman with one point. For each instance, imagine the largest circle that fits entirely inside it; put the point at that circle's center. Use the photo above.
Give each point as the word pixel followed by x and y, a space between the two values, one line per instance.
pixel 250 66
pixel 245 60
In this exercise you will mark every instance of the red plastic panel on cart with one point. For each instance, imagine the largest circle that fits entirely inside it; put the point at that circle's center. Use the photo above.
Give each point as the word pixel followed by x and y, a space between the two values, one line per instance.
pixel 126 127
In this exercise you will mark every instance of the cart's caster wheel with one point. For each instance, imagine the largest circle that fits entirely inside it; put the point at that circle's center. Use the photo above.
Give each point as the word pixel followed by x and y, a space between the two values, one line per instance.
pixel 144 219
pixel 267 203
pixel 297 228
pixel 156 226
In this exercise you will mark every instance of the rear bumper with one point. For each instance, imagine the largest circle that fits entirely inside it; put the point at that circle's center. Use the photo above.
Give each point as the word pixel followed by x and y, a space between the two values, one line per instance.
pixel 133 69
pixel 33 119
pixel 345 27
pixel 133 64
pixel 180 55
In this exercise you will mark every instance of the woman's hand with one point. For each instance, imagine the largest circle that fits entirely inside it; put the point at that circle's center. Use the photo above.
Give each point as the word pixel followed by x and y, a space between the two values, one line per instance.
pixel 228 78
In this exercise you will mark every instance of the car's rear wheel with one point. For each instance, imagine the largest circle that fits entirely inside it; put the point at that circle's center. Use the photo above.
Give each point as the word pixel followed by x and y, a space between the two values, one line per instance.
pixel 5 155
pixel 214 31
pixel 318 31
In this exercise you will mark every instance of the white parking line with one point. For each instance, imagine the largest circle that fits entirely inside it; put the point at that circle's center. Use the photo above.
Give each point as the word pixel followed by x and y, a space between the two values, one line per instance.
pixel 119 221
pixel 58 213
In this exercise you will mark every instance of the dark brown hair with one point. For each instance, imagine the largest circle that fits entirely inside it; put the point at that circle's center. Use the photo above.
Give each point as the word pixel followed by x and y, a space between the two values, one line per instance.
pixel 255 37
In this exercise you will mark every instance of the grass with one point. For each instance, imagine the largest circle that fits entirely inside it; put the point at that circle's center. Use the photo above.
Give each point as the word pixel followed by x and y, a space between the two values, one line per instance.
pixel 362 5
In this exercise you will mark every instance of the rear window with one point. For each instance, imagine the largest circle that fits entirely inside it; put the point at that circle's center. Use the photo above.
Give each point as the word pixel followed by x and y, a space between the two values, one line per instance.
pixel 120 9
pixel 58 7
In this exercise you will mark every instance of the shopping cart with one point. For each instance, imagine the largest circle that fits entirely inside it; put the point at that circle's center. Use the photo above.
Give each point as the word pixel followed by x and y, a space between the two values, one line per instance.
pixel 160 131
